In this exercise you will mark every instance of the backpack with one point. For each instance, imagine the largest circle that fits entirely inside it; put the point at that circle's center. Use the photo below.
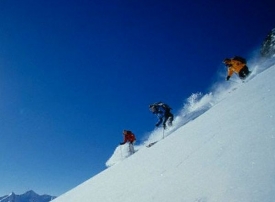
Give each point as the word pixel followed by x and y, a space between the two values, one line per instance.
pixel 164 106
pixel 154 107
pixel 240 59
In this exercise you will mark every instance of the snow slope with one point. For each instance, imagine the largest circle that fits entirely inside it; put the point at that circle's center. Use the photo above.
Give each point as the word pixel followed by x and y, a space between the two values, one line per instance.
pixel 221 149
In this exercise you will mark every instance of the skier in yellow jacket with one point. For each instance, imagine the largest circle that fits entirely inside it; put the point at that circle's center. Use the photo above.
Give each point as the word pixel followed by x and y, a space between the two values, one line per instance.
pixel 236 65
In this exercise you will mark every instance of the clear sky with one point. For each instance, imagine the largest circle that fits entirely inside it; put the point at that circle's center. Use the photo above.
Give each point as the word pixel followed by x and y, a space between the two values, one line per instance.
pixel 74 74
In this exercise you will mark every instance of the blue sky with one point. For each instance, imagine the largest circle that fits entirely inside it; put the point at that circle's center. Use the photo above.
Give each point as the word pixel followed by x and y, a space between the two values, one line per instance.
pixel 74 74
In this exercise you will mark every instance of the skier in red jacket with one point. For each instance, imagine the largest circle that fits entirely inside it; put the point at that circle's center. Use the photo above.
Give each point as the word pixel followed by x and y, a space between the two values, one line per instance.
pixel 130 138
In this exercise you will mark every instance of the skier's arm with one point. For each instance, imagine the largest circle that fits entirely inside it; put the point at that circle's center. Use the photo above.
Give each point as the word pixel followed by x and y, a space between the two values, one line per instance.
pixel 124 141
pixel 230 72
pixel 160 121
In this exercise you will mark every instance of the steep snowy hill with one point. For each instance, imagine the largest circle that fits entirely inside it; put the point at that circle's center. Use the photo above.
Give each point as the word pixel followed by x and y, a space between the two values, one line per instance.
pixel 222 148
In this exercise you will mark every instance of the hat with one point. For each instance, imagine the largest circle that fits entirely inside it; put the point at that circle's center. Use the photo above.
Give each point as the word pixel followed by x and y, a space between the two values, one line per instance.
pixel 226 60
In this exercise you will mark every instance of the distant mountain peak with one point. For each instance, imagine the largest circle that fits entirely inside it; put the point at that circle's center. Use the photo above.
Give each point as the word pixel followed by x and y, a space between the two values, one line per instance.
pixel 29 196
pixel 30 192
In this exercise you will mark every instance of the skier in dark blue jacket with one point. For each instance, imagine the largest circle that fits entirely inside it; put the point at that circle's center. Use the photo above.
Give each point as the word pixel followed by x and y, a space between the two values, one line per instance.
pixel 163 112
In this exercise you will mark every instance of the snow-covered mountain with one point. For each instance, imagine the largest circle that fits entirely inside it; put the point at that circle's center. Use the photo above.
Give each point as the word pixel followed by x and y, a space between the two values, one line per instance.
pixel 220 149
pixel 29 196
pixel 268 46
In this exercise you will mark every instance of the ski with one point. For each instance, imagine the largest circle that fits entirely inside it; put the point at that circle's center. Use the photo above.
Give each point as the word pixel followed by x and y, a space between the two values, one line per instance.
pixel 151 144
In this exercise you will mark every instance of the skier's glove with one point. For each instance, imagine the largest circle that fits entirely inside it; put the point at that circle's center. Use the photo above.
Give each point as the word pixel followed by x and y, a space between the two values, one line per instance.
pixel 227 78
pixel 122 143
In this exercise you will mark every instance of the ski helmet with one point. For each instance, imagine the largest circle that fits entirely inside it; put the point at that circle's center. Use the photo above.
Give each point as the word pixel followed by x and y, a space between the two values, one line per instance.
pixel 152 108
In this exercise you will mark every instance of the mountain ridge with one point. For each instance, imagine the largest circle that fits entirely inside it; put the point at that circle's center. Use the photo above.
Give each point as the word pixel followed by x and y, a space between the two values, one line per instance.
pixel 29 196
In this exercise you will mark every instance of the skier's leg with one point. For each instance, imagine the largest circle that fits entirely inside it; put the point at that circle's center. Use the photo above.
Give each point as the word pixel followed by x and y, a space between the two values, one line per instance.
pixel 170 120
pixel 244 72
pixel 164 122
pixel 131 148
pixel 167 116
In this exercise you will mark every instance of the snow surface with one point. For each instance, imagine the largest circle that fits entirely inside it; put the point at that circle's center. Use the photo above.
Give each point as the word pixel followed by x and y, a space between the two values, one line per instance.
pixel 220 149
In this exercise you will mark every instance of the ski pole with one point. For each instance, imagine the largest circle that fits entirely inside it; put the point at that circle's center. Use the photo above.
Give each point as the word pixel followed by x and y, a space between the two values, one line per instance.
pixel 163 133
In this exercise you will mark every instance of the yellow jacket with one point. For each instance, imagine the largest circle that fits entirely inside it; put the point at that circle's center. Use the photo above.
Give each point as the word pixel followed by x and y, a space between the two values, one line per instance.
pixel 234 66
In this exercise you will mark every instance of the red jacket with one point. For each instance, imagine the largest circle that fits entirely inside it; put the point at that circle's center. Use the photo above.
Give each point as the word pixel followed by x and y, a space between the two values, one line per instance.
pixel 128 137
